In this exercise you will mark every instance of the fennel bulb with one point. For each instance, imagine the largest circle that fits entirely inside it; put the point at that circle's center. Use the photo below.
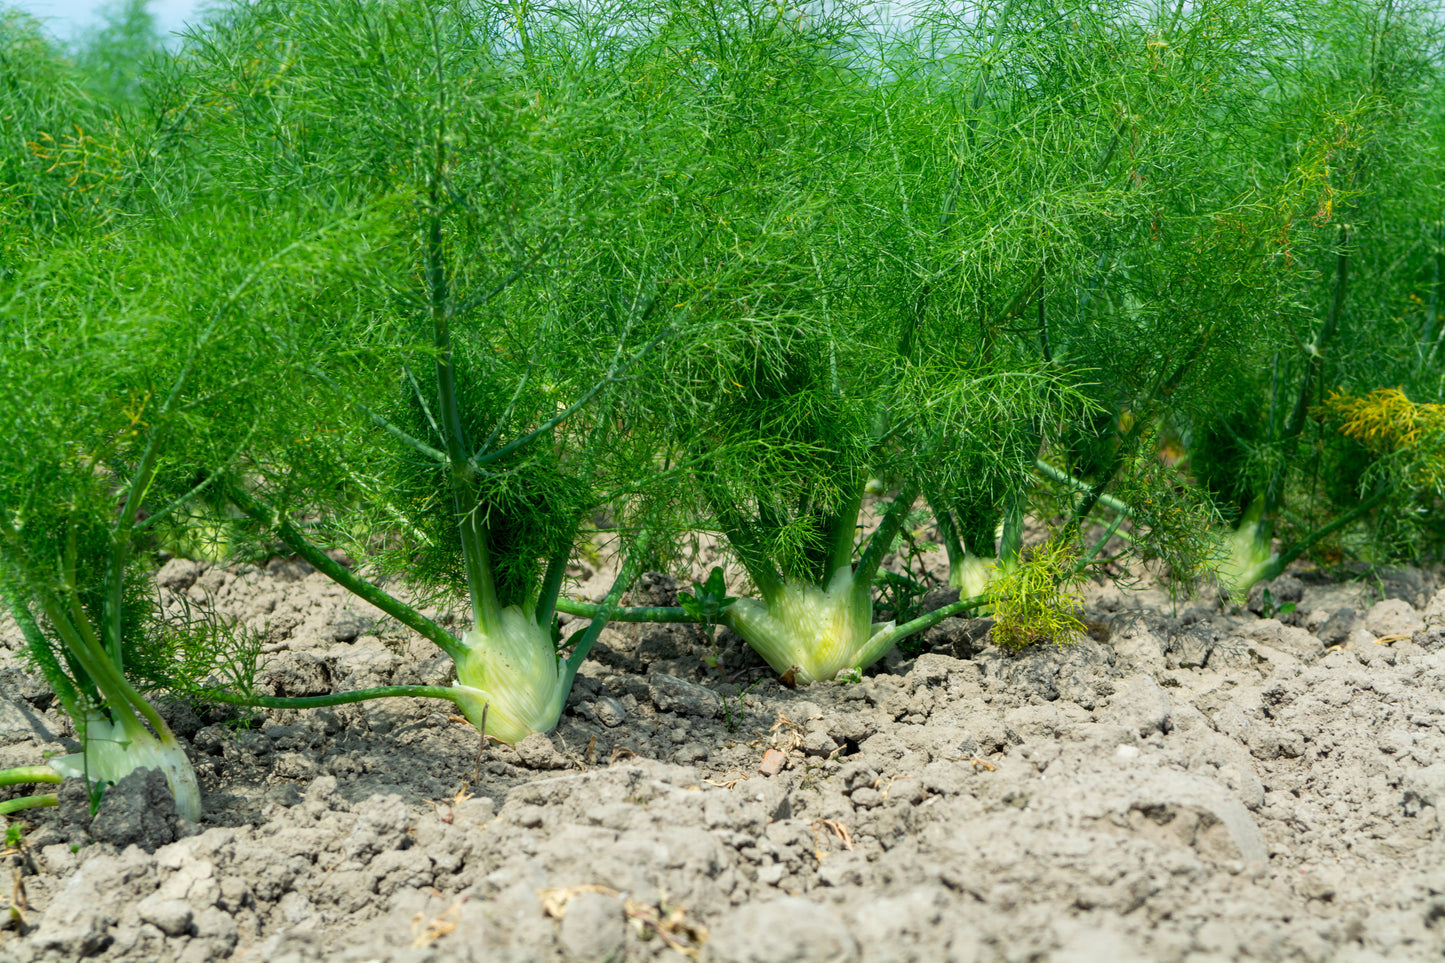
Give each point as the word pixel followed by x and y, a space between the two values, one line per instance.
pixel 814 632
pixel 1248 558
pixel 515 675
pixel 113 750
pixel 972 574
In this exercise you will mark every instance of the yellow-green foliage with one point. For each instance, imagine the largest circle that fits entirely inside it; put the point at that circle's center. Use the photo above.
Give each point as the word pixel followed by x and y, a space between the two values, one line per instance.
pixel 1388 423
pixel 1038 599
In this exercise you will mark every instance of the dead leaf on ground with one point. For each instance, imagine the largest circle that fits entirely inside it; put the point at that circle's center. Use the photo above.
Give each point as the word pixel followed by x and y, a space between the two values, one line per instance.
pixel 554 901
pixel 426 932
pixel 837 828
pixel 669 923
pixel 787 735
pixel 729 783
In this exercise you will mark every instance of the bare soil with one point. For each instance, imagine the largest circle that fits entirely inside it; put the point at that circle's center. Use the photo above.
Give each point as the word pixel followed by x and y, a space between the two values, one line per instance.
pixel 1188 784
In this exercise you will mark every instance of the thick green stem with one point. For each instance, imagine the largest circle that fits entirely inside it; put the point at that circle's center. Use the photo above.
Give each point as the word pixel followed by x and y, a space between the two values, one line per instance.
pixel 486 611
pixel 927 621
pixel 62 684
pixel 448 693
pixel 120 698
pixel 883 539
pixel 552 585
pixel 628 613
pixel 947 533
pixel 477 557
pixel 1011 542
pixel 121 537
pixel 27 774
pixel 842 527
pixel 294 540
pixel 28 802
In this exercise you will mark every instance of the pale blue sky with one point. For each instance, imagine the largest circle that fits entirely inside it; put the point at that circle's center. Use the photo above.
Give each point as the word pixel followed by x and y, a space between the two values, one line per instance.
pixel 64 17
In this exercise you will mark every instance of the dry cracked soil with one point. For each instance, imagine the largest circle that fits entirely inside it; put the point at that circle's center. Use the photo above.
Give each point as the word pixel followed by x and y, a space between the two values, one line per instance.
pixel 1187 784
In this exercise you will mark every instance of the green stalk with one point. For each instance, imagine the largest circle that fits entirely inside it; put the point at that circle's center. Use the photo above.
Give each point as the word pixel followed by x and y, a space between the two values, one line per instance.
pixel 841 529
pixel 947 533
pixel 552 584
pixel 120 698
pixel 294 540
pixel 83 644
pixel 1109 533
pixel 486 611
pixel 1010 543
pixel 1063 477
pixel 26 774
pixel 477 557
pixel 1095 494
pixel 627 613
pixel 1429 339
pixel 60 683
pixel 28 802
pixel 1314 365
pixel 121 536
pixel 334 699
pixel 886 640
pixel 1299 547
pixel 888 530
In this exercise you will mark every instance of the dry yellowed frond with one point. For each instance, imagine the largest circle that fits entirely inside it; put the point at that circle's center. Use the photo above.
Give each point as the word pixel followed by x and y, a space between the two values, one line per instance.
pixel 1387 422
pixel 1384 420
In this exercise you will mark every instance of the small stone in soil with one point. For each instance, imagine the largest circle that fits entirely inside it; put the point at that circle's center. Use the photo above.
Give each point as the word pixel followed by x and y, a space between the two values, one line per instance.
pixel 1336 628
pixel 819 743
pixel 671 694
pixel 609 711
pixel 1142 707
pixel 537 752
pixel 772 762
pixel 171 916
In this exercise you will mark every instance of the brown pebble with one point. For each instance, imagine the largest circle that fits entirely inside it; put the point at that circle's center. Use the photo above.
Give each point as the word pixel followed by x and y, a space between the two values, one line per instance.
pixel 772 762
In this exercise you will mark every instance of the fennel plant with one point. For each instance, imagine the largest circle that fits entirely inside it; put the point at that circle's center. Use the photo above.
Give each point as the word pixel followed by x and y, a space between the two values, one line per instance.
pixel 126 368
pixel 477 388
pixel 1348 112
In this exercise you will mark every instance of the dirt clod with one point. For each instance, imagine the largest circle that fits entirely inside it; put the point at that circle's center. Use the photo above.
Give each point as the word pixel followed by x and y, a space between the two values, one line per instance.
pixel 139 810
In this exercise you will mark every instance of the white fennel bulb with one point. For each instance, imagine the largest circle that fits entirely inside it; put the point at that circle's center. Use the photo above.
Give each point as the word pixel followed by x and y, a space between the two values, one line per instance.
pixel 113 751
pixel 515 674
pixel 816 633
